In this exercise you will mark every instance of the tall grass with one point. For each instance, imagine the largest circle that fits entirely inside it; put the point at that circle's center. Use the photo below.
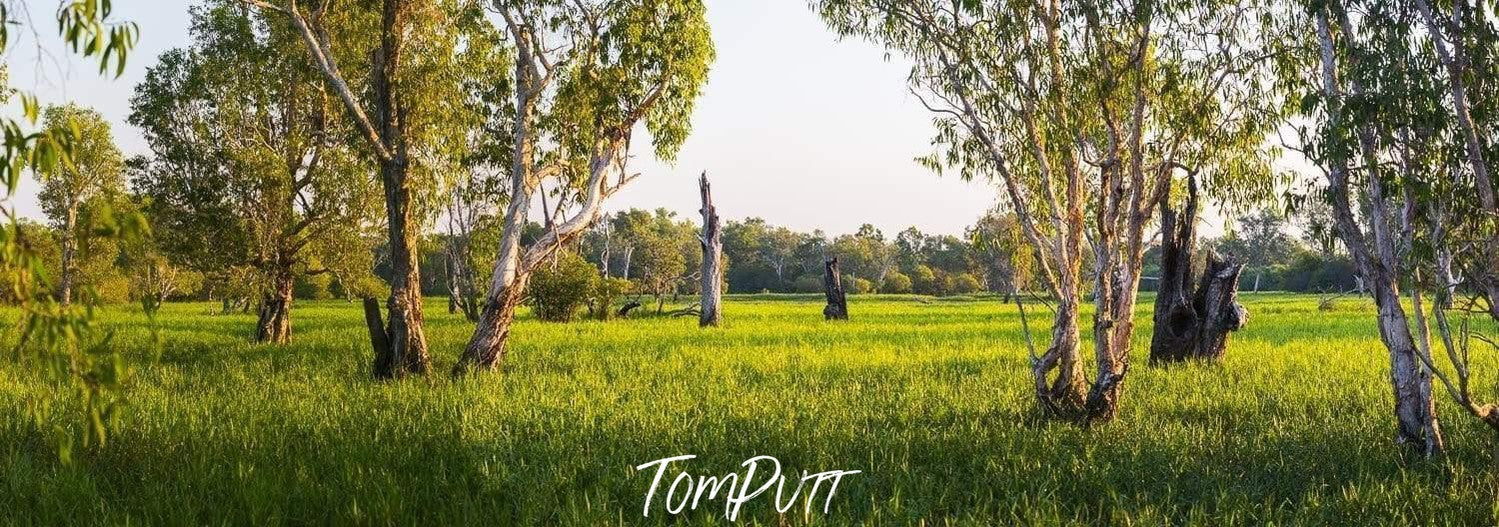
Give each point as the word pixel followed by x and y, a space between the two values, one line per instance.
pixel 929 399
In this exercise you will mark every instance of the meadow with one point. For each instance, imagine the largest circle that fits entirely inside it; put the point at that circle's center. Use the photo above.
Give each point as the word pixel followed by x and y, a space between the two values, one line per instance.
pixel 929 398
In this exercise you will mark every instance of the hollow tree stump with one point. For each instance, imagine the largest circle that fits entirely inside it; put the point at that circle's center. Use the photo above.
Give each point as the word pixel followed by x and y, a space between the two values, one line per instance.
pixel 711 240
pixel 1192 324
pixel 832 286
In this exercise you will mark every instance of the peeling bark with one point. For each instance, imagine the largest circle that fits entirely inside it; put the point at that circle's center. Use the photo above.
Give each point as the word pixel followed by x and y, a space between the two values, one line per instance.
pixel 712 268
pixel 274 324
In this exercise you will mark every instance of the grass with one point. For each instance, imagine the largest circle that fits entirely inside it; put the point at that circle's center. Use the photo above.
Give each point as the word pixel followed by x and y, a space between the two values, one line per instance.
pixel 928 398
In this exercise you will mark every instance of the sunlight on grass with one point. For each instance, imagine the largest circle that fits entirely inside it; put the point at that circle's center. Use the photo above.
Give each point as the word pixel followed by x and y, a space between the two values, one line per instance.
pixel 928 398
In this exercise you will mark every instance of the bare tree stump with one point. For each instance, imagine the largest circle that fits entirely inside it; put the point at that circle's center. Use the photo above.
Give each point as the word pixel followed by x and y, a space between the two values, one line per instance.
pixel 1192 324
pixel 712 271
pixel 832 285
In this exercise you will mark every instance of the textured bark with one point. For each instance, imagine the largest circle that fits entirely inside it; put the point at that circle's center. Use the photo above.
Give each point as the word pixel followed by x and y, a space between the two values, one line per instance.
pixel 486 349
pixel 712 269
pixel 1176 321
pixel 832 286
pixel 1064 395
pixel 69 253
pixel 404 335
pixel 1415 412
pixel 1188 324
pixel 274 325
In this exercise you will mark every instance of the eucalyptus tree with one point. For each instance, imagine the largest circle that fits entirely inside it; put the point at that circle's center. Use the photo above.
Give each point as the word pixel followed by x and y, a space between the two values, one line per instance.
pixel 95 171
pixel 407 114
pixel 1083 112
pixel 1383 139
pixel 586 74
pixel 1464 40
pixel 239 124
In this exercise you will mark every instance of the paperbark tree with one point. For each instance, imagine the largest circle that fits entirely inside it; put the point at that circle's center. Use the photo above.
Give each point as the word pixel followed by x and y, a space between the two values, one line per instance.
pixel 244 150
pixel 711 239
pixel 585 75
pixel 95 171
pixel 1083 115
pixel 1349 146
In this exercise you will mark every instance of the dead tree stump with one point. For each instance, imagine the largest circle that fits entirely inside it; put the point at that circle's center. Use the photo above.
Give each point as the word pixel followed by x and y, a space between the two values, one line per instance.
pixel 832 286
pixel 711 240
pixel 1192 324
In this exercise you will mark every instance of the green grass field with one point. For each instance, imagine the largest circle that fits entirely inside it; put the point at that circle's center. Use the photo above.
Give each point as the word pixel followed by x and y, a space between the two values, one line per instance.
pixel 929 398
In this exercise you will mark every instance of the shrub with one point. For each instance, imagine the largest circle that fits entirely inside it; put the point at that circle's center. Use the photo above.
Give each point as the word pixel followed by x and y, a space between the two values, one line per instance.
pixel 964 284
pixel 857 286
pixel 895 282
pixel 602 295
pixel 561 287
pixel 924 281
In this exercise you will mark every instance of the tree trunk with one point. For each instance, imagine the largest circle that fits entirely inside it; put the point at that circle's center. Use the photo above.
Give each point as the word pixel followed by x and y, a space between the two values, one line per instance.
pixel 1415 413
pixel 274 326
pixel 69 251
pixel 486 349
pixel 1218 309
pixel 832 285
pixel 406 342
pixel 1195 326
pixel 1064 395
pixel 712 271
pixel 1176 322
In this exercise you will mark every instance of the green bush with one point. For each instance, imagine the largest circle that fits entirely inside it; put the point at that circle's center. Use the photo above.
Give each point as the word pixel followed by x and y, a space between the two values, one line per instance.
pixel 561 287
pixel 896 282
pixel 602 295
pixel 857 286
pixel 964 284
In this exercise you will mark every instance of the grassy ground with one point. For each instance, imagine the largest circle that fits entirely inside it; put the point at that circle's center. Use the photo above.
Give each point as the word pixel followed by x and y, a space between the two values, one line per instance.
pixel 928 398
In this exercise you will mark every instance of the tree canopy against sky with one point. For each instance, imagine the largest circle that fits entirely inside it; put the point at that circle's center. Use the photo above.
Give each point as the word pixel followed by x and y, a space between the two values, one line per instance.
pixel 1083 112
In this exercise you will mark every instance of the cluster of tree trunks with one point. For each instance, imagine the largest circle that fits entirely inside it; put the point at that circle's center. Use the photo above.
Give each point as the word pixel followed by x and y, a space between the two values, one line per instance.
pixel 274 324
pixel 1192 324
pixel 712 269
pixel 832 285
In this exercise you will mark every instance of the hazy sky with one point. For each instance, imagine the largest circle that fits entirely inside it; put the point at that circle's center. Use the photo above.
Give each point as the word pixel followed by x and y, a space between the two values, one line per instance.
pixel 795 126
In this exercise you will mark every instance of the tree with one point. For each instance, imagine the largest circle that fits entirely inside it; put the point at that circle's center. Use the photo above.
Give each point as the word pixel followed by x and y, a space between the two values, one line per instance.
pixel 240 125
pixel 400 117
pixel 586 74
pixel 1259 242
pixel 95 171
pixel 1080 111
pixel 998 239
pixel 1351 141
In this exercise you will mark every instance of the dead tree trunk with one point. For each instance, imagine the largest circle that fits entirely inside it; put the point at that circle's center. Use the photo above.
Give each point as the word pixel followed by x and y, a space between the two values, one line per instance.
pixel 712 271
pixel 1188 324
pixel 832 286
pixel 274 326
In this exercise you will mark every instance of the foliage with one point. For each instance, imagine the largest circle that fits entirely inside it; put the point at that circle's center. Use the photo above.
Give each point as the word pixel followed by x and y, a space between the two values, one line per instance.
pixel 562 287
pixel 62 340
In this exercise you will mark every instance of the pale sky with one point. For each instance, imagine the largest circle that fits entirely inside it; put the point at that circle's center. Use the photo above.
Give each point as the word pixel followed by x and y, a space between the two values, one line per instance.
pixel 794 126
